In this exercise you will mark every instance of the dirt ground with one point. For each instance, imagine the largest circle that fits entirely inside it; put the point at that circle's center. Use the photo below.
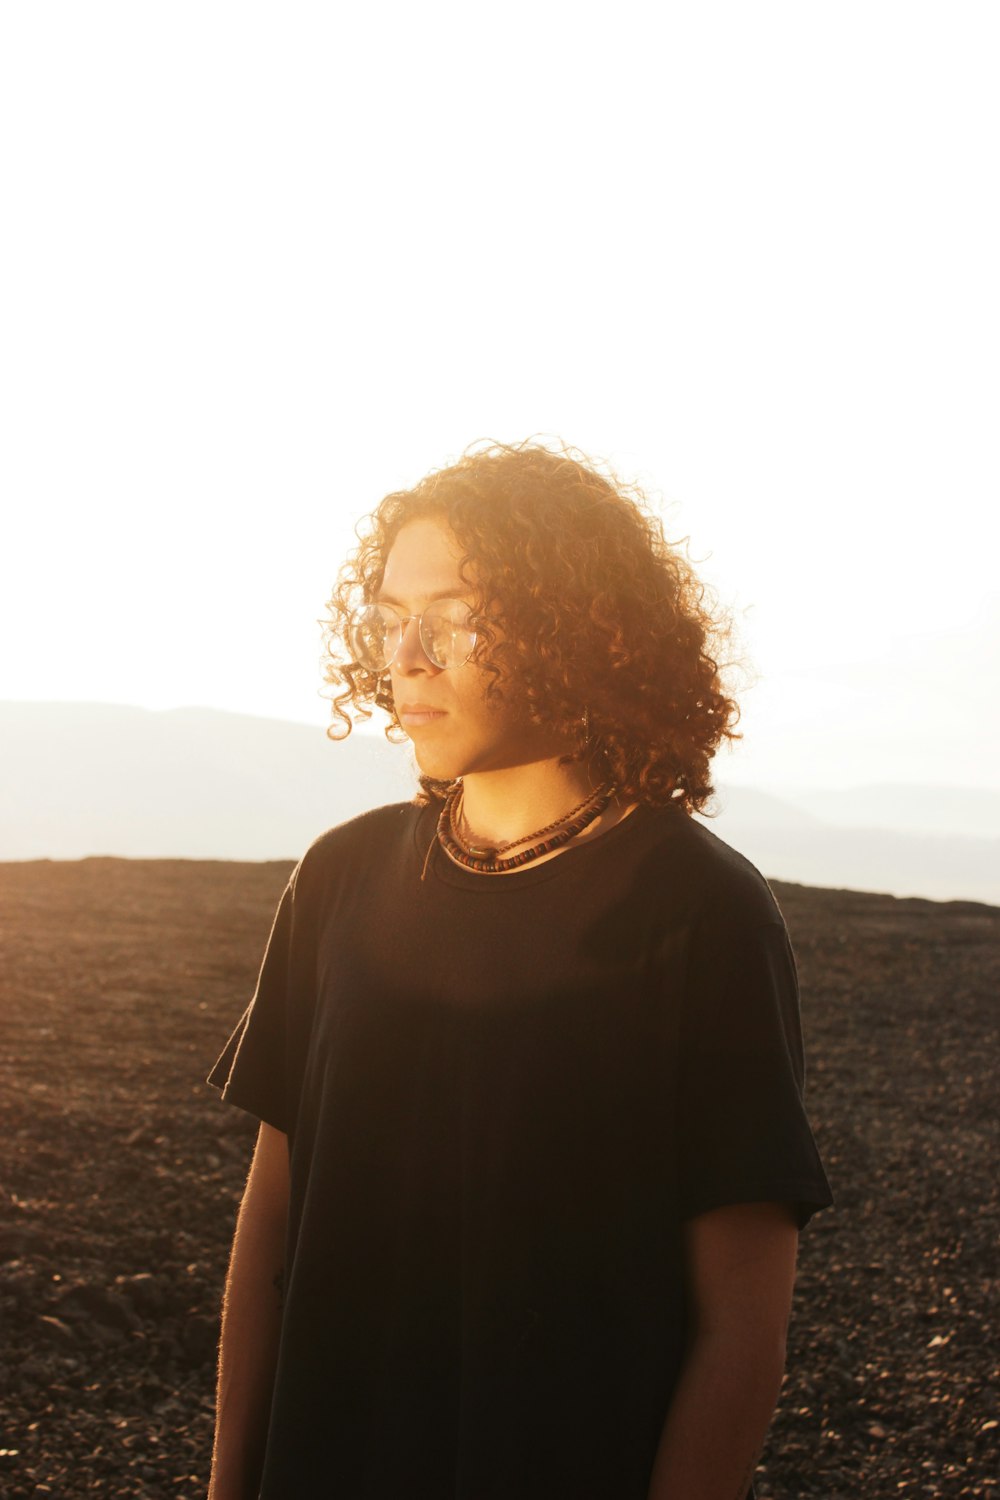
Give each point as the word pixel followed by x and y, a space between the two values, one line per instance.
pixel 121 1173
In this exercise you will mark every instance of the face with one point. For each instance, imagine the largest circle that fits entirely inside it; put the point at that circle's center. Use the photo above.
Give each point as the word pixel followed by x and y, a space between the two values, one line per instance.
pixel 455 732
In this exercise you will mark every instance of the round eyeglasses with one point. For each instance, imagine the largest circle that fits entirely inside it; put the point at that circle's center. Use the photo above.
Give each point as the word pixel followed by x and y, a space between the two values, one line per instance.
pixel 446 631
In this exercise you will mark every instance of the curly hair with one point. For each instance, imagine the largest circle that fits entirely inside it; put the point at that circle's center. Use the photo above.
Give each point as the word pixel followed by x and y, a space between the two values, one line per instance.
pixel 597 609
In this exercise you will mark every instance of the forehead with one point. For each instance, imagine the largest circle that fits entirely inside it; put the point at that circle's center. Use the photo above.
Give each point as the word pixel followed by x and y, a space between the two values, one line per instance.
pixel 423 561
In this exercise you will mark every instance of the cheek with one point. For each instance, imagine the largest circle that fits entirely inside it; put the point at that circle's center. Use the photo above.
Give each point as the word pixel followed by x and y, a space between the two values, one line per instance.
pixel 469 685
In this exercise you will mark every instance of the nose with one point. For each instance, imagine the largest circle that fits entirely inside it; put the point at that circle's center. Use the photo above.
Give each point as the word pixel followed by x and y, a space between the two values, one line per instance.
pixel 410 655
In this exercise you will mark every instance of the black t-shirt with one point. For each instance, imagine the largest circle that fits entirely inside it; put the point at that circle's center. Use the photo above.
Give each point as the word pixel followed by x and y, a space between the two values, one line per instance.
pixel 503 1095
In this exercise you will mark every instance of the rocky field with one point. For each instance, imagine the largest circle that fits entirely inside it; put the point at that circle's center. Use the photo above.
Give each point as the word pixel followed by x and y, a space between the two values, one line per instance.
pixel 121 1174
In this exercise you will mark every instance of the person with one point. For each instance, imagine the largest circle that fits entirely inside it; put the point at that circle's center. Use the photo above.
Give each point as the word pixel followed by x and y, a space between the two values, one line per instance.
pixel 526 1051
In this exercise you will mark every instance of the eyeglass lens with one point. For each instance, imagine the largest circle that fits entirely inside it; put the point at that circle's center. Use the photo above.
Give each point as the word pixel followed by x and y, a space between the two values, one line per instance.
pixel 446 634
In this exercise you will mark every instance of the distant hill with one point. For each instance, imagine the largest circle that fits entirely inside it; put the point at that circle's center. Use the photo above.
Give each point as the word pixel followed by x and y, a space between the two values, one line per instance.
pixel 971 811
pixel 199 783
pixel 91 779
pixel 943 867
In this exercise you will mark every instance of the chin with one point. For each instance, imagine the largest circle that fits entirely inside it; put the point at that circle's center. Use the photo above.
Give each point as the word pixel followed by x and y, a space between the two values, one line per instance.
pixel 440 767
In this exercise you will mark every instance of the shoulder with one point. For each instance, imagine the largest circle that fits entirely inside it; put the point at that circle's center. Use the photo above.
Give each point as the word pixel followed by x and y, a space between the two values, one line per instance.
pixel 722 884
pixel 374 833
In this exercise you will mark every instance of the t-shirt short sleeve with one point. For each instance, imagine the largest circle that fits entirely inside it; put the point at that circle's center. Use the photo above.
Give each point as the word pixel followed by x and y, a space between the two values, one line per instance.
pixel 743 1130
pixel 252 1071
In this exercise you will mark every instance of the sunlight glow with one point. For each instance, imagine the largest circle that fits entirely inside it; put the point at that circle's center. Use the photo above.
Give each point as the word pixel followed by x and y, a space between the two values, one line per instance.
pixel 267 266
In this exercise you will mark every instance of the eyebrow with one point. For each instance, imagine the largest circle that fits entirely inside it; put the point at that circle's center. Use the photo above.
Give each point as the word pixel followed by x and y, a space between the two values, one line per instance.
pixel 452 593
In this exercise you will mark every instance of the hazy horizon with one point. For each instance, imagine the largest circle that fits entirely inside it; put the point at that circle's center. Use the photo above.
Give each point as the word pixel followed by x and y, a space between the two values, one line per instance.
pixel 731 766
pixel 99 779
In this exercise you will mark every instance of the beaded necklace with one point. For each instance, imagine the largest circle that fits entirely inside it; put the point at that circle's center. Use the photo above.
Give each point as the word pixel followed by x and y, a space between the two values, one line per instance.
pixel 456 810
pixel 486 860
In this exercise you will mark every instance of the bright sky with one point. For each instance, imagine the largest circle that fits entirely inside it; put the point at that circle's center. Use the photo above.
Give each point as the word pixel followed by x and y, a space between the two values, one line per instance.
pixel 263 263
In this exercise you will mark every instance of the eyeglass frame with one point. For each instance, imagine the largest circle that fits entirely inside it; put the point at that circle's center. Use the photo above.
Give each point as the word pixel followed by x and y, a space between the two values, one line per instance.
pixel 404 620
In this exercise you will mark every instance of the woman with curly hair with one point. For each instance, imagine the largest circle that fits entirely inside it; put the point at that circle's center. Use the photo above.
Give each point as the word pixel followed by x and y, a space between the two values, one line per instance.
pixel 526 1050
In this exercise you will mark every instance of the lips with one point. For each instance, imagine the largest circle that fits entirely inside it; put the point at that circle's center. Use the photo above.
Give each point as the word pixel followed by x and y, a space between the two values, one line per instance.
pixel 411 715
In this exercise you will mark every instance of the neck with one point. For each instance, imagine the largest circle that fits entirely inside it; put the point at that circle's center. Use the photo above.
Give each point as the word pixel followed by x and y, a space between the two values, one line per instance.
pixel 500 805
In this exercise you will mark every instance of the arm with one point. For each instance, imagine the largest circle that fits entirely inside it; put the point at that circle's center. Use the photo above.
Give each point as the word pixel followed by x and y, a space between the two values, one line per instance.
pixel 741 1276
pixel 251 1321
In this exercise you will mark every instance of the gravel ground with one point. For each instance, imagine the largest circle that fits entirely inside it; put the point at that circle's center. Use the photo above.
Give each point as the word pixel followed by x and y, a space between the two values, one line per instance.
pixel 121 1174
